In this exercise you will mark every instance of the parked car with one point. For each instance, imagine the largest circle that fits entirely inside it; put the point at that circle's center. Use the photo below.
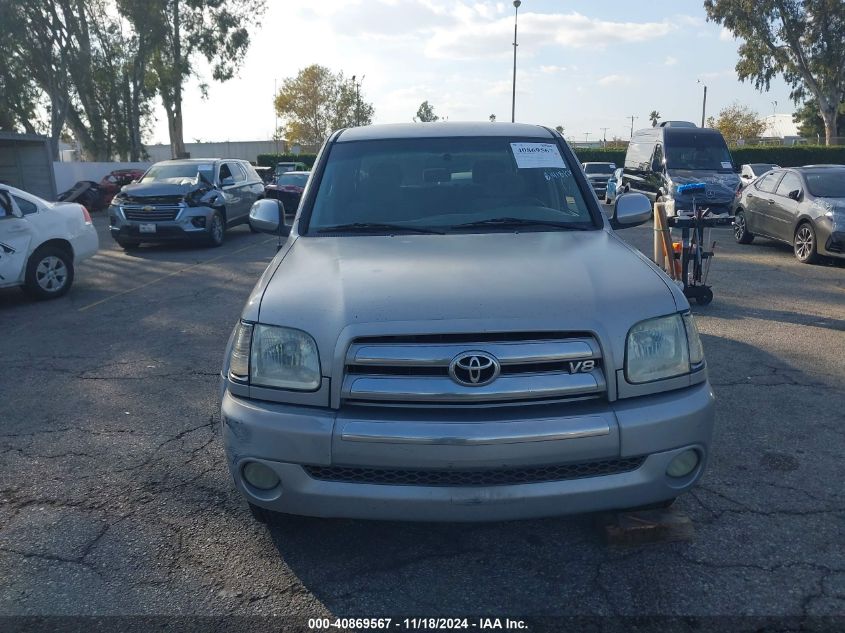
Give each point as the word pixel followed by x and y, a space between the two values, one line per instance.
pixel 802 206
pixel 288 188
pixel 42 242
pixel 114 181
pixel 597 175
pixel 613 186
pixel 660 159
pixel 752 171
pixel 267 174
pixel 196 199
pixel 84 192
pixel 290 166
pixel 479 345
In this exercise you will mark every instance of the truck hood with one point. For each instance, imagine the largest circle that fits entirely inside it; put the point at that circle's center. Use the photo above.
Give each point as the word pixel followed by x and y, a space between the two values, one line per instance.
pixel 161 189
pixel 336 287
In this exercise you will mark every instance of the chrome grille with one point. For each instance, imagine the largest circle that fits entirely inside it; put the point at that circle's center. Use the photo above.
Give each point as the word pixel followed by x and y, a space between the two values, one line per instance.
pixel 143 213
pixel 534 367
pixel 487 477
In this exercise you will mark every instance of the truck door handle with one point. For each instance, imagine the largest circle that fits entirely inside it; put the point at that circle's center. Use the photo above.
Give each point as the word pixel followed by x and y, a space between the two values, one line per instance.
pixel 770 201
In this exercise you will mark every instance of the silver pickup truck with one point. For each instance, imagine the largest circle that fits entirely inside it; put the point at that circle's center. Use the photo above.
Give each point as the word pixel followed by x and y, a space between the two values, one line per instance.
pixel 452 330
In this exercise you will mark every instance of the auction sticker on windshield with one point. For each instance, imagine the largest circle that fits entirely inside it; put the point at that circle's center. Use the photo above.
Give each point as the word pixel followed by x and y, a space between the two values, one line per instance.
pixel 534 155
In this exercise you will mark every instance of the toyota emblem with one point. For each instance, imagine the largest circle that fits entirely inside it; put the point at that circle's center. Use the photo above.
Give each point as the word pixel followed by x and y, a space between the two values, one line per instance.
pixel 474 369
pixel 148 208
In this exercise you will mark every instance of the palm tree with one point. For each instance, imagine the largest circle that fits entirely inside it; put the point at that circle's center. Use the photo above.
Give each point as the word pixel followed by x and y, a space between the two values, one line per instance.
pixel 654 117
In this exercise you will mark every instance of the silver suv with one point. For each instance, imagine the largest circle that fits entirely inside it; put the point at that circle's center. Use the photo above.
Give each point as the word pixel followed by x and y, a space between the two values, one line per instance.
pixel 453 331
pixel 196 199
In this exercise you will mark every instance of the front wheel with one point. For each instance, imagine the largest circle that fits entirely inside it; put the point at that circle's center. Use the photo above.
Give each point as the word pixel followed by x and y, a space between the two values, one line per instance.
pixel 49 273
pixel 216 229
pixel 741 232
pixel 804 244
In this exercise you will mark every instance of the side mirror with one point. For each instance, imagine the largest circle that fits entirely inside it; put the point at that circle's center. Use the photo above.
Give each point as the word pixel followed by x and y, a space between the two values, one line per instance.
pixel 268 216
pixel 795 194
pixel 227 182
pixel 630 209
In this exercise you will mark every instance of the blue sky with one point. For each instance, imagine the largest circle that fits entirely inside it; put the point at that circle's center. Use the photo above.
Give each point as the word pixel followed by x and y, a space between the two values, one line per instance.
pixel 583 65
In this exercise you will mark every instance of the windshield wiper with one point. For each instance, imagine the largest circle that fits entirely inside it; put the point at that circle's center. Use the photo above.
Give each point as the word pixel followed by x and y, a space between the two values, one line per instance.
pixel 517 222
pixel 367 227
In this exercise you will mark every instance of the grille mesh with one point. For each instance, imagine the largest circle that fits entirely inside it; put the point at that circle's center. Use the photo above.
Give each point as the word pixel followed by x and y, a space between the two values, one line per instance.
pixel 488 477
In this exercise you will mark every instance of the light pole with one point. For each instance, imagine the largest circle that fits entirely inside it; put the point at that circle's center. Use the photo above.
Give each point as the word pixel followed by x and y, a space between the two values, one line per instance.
pixel 632 117
pixel 604 136
pixel 586 137
pixel 703 100
pixel 357 85
pixel 774 108
pixel 516 4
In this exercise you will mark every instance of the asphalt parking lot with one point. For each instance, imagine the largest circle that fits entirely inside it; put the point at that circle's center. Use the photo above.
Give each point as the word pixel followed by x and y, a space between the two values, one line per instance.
pixel 115 498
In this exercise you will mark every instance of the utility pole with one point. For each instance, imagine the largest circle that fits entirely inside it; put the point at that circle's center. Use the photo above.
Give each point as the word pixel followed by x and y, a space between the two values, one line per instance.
pixel 276 123
pixel 586 137
pixel 632 117
pixel 703 101
pixel 604 135
pixel 516 4
pixel 357 85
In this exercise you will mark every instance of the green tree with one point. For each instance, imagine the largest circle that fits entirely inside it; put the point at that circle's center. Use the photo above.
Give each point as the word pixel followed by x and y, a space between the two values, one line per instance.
pixel 184 30
pixel 316 102
pixel 425 113
pixel 654 117
pixel 809 122
pixel 738 121
pixel 803 40
pixel 560 129
pixel 492 118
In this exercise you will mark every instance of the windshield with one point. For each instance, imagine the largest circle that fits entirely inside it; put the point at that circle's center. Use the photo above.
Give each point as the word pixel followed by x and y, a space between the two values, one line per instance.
pixel 826 184
pixel 441 183
pixel 178 173
pixel 297 180
pixel 599 168
pixel 698 152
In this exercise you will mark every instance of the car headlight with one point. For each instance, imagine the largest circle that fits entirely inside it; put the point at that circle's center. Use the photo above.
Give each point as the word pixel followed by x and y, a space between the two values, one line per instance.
pixel 271 356
pixel 661 348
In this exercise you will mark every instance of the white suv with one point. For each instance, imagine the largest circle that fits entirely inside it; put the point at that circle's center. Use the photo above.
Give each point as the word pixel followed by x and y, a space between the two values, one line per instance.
pixel 41 242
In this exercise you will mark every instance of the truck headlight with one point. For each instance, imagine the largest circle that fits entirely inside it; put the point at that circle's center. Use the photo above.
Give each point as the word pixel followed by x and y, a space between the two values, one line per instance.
pixel 664 347
pixel 271 356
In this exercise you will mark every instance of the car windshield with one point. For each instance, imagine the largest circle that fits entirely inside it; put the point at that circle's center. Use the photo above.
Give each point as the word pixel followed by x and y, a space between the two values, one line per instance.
pixel 599 168
pixel 449 184
pixel 826 184
pixel 178 173
pixel 698 152
pixel 298 180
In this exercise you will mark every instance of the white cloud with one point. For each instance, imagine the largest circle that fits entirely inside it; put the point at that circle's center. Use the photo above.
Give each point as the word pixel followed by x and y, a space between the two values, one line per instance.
pixel 725 35
pixel 614 80
pixel 670 61
pixel 552 69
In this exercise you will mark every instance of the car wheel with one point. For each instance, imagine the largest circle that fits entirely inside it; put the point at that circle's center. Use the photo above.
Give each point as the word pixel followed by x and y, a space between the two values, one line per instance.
pixel 127 245
pixel 216 229
pixel 49 272
pixel 804 244
pixel 741 233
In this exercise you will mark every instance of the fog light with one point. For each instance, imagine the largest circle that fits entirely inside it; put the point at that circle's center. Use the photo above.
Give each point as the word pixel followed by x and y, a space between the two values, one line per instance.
pixel 683 464
pixel 198 222
pixel 260 476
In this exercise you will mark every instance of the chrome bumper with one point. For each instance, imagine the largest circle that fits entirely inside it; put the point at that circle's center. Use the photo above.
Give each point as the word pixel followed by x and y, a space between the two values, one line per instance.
pixel 286 437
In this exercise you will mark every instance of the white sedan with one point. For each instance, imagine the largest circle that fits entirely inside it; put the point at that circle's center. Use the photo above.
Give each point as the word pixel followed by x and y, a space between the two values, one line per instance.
pixel 41 242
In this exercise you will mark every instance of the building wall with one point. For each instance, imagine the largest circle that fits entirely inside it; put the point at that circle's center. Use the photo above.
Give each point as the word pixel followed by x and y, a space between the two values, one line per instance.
pixel 25 163
pixel 245 150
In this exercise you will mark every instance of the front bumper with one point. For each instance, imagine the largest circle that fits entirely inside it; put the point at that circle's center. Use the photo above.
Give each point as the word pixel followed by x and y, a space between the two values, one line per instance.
pixel 286 438
pixel 190 224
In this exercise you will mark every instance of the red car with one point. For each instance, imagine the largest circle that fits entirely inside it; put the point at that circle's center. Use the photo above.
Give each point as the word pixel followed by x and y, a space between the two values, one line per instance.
pixel 114 181
pixel 288 188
